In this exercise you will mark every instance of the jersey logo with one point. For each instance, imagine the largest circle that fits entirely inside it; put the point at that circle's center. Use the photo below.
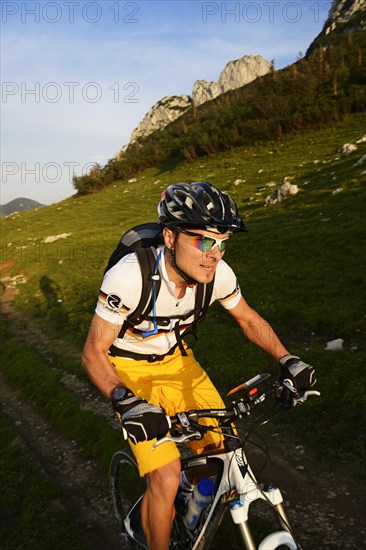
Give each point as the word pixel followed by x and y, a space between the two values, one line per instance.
pixel 113 302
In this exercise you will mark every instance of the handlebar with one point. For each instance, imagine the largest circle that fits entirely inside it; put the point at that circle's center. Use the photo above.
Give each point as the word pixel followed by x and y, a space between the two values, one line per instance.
pixel 285 392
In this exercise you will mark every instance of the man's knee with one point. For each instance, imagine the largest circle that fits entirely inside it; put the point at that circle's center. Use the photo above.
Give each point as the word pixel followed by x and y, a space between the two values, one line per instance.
pixel 165 479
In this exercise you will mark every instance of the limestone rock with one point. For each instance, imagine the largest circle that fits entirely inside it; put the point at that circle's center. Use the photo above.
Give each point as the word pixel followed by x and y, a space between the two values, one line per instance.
pixel 286 190
pixel 334 345
pixel 348 148
pixel 166 110
pixel 203 91
pixel 242 71
pixel 349 14
pixel 236 74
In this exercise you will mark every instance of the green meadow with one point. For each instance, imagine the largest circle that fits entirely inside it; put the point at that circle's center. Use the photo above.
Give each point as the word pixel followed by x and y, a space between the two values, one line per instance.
pixel 301 265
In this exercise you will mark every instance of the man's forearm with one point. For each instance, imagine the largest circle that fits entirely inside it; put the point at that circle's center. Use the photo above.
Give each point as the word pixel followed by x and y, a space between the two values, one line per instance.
pixel 260 332
pixel 100 371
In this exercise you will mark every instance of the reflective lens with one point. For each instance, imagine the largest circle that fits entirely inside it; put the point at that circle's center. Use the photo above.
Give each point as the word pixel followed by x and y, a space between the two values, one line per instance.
pixel 204 243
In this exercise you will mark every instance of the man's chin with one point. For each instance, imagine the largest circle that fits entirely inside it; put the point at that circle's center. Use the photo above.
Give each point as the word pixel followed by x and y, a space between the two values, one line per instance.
pixel 205 275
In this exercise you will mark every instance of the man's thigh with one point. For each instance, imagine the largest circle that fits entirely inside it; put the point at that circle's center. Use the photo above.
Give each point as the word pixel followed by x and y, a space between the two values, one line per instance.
pixel 177 383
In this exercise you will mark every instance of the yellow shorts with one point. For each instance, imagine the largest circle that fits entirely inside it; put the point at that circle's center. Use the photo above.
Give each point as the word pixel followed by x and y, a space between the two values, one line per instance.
pixel 177 383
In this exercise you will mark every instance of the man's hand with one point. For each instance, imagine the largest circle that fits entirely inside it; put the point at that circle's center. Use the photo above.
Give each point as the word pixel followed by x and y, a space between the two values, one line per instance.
pixel 301 374
pixel 141 420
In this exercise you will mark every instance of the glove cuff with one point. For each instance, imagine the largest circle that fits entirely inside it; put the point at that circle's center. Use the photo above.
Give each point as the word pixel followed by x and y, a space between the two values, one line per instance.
pixel 120 397
pixel 288 360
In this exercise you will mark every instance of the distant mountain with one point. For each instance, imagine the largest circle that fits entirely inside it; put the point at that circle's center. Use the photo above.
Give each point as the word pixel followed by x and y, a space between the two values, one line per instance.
pixel 18 205
pixel 314 92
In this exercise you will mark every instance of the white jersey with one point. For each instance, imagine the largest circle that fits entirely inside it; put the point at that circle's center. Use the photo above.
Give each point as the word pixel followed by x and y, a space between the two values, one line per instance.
pixel 121 292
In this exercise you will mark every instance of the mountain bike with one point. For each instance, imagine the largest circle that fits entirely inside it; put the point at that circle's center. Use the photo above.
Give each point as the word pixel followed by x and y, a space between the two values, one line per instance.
pixel 235 486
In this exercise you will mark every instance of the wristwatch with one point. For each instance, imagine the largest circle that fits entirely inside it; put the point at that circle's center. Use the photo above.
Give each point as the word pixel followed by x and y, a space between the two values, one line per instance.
pixel 119 393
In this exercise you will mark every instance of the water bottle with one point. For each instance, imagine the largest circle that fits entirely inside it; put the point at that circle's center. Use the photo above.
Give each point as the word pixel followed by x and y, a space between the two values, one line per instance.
pixel 200 498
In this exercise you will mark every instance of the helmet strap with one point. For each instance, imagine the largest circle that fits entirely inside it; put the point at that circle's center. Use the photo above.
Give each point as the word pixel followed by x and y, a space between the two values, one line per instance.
pixel 180 272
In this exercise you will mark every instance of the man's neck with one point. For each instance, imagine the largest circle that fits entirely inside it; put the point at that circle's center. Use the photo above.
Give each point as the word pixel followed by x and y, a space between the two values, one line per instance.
pixel 180 284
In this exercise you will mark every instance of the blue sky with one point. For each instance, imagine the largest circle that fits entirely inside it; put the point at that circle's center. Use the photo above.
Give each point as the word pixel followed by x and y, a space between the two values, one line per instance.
pixel 78 76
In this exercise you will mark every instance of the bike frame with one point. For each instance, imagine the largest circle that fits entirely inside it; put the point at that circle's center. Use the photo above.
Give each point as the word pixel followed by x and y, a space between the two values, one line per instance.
pixel 237 485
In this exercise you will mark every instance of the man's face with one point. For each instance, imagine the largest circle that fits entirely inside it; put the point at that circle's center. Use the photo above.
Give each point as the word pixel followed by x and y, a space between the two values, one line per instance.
pixel 198 257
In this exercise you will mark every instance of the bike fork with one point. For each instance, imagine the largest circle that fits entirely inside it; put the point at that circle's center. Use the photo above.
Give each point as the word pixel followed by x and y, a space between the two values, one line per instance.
pixel 278 505
pixel 246 535
pixel 282 517
pixel 239 515
pixel 244 529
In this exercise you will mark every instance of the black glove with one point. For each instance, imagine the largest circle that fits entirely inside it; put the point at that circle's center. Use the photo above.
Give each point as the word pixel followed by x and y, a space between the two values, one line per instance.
pixel 301 374
pixel 141 420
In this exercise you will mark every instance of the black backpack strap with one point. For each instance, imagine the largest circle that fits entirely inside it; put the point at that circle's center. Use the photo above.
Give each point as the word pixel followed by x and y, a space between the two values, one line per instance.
pixel 179 339
pixel 147 260
pixel 203 299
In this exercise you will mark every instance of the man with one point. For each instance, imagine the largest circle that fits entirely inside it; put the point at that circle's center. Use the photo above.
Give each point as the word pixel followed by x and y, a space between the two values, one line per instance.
pixel 150 367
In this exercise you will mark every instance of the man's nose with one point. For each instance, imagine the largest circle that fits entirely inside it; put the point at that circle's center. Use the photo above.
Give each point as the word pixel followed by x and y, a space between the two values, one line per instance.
pixel 215 251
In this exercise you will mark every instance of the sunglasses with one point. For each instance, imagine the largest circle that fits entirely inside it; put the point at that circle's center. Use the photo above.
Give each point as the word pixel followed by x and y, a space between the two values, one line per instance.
pixel 205 243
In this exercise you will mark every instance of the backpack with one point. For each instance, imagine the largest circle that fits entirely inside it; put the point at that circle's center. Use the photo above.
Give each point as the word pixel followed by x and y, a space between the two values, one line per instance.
pixel 144 240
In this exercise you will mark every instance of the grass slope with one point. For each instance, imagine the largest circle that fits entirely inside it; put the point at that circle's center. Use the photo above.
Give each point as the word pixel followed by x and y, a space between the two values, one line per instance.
pixel 301 265
pixel 31 514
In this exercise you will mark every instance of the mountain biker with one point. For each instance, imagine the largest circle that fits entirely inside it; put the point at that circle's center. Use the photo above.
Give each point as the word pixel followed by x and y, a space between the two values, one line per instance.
pixel 146 371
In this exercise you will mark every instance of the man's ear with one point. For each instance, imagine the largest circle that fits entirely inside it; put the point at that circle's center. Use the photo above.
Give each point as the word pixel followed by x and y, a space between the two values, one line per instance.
pixel 169 237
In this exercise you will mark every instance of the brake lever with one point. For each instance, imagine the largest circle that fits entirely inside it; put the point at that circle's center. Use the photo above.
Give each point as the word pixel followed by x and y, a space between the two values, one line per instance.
pixel 298 399
pixel 303 398
pixel 178 439
pixel 286 398
pixel 290 387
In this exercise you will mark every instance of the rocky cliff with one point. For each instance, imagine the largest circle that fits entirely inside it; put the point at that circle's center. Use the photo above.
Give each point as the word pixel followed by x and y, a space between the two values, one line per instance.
pixel 203 91
pixel 242 71
pixel 160 115
pixel 345 16
pixel 237 73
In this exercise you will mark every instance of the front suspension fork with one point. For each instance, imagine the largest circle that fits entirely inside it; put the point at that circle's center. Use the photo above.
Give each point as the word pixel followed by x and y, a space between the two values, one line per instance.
pixel 239 512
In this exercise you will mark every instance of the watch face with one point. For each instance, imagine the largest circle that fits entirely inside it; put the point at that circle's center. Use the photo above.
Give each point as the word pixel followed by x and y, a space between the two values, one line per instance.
pixel 119 393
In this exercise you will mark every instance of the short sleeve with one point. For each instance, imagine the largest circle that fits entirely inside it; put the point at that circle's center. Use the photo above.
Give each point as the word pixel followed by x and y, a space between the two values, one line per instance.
pixel 226 288
pixel 120 291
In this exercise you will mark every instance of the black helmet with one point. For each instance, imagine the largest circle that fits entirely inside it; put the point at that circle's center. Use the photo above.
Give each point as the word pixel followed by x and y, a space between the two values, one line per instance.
pixel 199 205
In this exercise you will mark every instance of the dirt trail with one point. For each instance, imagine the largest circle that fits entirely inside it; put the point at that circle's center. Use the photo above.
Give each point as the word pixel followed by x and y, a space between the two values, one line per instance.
pixel 327 509
pixel 85 488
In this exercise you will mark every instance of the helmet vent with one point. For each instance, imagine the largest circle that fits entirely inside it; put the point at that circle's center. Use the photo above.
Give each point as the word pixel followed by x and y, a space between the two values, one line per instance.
pixel 199 205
